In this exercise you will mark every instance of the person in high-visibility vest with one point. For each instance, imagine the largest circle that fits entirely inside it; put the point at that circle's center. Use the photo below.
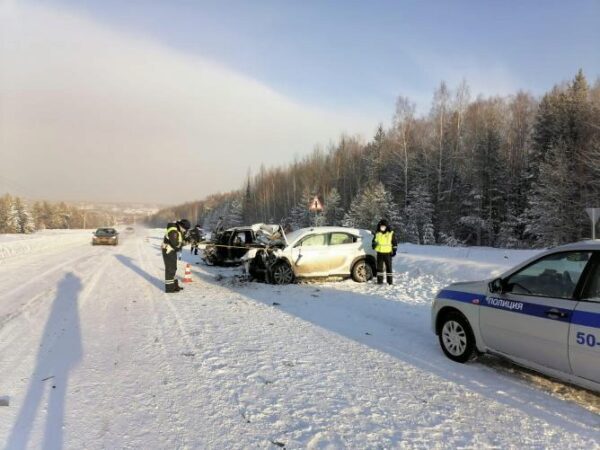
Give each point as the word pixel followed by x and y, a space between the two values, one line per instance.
pixel 385 244
pixel 173 243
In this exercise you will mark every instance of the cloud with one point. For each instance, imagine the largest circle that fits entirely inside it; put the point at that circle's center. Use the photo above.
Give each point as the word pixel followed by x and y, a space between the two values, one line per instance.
pixel 87 112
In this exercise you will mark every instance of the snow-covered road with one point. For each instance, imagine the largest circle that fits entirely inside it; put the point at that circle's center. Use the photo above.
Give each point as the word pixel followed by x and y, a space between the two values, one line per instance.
pixel 94 355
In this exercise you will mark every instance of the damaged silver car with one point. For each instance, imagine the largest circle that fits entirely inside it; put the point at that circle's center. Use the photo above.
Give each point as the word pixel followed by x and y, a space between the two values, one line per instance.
pixel 319 252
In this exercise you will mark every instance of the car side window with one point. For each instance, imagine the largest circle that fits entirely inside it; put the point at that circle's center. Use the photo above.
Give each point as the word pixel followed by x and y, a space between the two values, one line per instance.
pixel 341 238
pixel 314 240
pixel 554 275
pixel 592 289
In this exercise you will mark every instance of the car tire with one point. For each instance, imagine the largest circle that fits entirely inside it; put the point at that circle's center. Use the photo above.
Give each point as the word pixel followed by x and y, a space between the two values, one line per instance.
pixel 456 337
pixel 362 271
pixel 282 273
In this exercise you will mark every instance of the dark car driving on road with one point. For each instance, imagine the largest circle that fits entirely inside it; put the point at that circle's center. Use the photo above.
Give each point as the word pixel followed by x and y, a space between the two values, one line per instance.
pixel 105 236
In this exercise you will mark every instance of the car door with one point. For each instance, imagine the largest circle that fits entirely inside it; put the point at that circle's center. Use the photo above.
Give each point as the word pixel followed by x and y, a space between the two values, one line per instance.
pixel 309 256
pixel 530 319
pixel 223 246
pixel 340 252
pixel 584 336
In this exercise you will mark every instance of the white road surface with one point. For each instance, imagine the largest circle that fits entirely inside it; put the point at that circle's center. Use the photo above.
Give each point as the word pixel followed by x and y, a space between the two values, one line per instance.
pixel 94 355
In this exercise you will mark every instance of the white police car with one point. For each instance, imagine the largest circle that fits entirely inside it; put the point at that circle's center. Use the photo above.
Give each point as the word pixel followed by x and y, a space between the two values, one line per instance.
pixel 543 314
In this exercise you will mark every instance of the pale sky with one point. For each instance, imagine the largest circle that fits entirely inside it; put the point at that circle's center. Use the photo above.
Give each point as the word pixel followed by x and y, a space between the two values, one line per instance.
pixel 168 101
pixel 90 113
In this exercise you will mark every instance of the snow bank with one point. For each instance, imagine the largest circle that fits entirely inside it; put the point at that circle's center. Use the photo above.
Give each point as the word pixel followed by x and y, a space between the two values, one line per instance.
pixel 21 244
pixel 420 271
pixel 459 263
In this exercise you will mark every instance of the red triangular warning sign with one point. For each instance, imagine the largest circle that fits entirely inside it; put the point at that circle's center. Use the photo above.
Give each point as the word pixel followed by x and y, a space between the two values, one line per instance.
pixel 315 205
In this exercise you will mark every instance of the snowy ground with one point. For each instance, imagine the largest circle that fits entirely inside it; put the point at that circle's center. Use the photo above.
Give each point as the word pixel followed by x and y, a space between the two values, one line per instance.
pixel 94 355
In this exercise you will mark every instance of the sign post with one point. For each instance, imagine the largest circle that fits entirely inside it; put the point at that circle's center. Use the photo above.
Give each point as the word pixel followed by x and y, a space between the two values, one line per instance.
pixel 594 214
pixel 315 206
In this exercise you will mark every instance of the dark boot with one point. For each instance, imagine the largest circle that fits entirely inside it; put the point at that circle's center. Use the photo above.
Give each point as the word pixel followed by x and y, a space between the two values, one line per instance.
pixel 170 288
pixel 177 287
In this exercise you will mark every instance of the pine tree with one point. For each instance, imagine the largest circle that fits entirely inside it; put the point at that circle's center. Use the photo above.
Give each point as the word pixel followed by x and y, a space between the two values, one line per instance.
pixel 419 216
pixel 235 213
pixel 372 156
pixel 12 224
pixel 300 215
pixel 333 213
pixel 6 225
pixel 49 216
pixel 24 221
pixel 510 231
pixel 483 203
pixel 550 216
pixel 370 206
pixel 428 233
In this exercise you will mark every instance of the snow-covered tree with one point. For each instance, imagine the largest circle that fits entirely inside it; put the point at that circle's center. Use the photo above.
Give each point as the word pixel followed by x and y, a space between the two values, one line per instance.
pixel 23 219
pixel 508 235
pixel 428 233
pixel 7 220
pixel 235 213
pixel 419 216
pixel 300 215
pixel 551 216
pixel 370 206
pixel 333 212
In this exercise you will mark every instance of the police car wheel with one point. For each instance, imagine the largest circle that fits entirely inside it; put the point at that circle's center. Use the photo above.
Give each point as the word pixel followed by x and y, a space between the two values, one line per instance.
pixel 456 338
pixel 282 273
pixel 362 272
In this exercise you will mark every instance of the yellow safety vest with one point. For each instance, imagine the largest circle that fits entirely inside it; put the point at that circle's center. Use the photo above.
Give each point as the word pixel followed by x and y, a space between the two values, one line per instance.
pixel 383 242
pixel 179 237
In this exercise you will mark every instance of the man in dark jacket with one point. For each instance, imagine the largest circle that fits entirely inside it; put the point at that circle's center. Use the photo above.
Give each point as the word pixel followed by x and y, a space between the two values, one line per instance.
pixel 195 236
pixel 385 244
pixel 173 243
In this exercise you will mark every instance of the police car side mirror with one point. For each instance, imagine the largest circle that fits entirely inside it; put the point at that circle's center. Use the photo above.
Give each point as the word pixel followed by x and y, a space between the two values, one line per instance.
pixel 496 286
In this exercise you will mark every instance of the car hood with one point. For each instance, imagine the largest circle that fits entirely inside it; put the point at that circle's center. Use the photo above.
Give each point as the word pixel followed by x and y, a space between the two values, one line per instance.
pixel 472 287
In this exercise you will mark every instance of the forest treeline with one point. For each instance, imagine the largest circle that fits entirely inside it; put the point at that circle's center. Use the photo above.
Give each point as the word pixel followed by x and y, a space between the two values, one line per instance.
pixel 16 216
pixel 513 171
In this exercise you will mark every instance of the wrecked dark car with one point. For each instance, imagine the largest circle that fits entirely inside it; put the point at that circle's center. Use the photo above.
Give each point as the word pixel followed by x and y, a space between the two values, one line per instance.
pixel 228 247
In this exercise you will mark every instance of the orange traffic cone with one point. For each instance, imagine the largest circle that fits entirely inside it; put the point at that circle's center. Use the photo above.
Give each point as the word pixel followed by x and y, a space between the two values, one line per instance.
pixel 187 277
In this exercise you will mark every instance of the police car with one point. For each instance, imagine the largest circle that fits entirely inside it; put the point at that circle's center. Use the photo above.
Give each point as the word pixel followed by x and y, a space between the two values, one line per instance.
pixel 543 314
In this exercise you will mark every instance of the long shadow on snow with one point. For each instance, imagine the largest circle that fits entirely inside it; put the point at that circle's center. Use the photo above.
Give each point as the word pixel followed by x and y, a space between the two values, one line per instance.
pixel 128 262
pixel 60 350
pixel 404 332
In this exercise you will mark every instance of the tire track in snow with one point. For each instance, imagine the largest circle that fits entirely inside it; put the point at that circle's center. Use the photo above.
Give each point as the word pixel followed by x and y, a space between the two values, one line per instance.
pixel 20 373
pixel 175 413
pixel 36 299
pixel 43 275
